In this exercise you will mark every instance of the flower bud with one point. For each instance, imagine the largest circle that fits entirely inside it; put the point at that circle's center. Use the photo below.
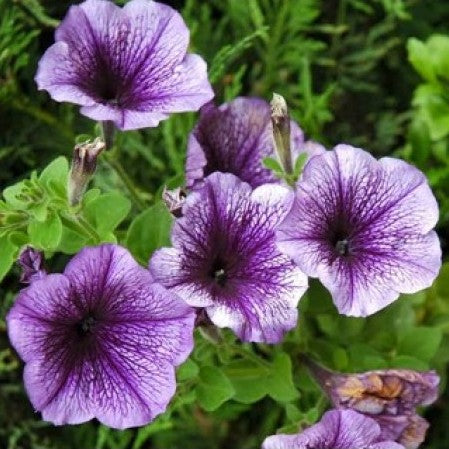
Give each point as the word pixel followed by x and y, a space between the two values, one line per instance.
pixel 174 199
pixel 30 260
pixel 84 163
pixel 280 120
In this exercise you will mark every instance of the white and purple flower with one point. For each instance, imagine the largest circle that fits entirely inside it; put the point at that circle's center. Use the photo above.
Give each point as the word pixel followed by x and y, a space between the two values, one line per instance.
pixel 364 227
pixel 126 65
pixel 225 258
pixel 338 429
pixel 234 138
pixel 100 340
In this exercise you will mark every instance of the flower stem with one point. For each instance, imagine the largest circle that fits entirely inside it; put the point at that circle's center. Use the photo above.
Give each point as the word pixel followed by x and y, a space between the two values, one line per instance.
pixel 108 131
pixel 126 180
pixel 79 223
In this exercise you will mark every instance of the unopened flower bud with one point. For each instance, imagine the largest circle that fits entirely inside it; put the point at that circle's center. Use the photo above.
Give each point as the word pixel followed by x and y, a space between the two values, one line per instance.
pixel 280 120
pixel 31 261
pixel 83 167
pixel 174 199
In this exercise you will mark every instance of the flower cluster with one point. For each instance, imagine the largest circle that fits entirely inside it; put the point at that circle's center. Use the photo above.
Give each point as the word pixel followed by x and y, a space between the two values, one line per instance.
pixel 102 340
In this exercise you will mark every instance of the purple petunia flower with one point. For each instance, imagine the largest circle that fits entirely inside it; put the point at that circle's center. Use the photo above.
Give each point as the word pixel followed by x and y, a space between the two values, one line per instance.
pixel 234 138
pixel 225 258
pixel 127 65
pixel 364 228
pixel 100 341
pixel 338 429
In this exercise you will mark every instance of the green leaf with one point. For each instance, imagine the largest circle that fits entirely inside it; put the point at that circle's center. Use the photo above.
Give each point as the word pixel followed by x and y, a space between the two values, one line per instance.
pixel 293 413
pixel 340 359
pixel 420 58
pixel 39 211
pixel 106 212
pixel 54 178
pixel 408 362
pixel 188 370
pixel 56 172
pixel 8 253
pixel 419 138
pixel 434 108
pixel 149 231
pixel 214 388
pixel 365 357
pixel 299 164
pixel 71 241
pixel 280 383
pixel 12 196
pixel 47 234
pixel 227 54
pixel 420 342
pixel 272 164
pixel 248 380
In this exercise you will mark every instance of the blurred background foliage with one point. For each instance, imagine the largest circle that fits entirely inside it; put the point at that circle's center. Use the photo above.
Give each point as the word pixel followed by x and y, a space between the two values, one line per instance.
pixel 373 73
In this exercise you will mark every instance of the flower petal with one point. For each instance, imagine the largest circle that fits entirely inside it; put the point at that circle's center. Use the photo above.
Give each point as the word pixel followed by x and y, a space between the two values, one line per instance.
pixel 58 75
pixel 338 429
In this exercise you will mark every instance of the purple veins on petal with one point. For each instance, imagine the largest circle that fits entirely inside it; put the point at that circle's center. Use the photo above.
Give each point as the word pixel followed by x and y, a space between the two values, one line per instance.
pixel 234 138
pixel 127 65
pixel 100 340
pixel 364 227
pixel 338 429
pixel 224 258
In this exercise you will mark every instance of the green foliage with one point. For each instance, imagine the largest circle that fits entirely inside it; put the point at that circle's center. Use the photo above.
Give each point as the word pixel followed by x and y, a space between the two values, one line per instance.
pixel 428 135
pixel 148 231
pixel 35 211
pixel 431 61
pixel 213 389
